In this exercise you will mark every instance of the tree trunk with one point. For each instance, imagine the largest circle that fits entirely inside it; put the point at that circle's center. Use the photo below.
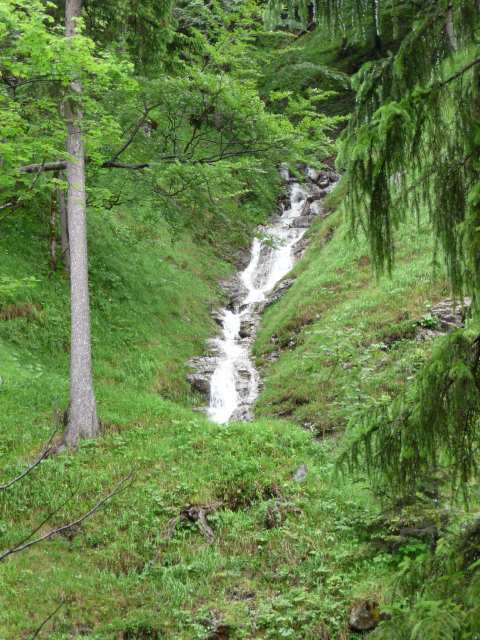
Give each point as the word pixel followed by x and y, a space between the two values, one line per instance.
pixel 82 412
pixel 377 39
pixel 62 205
pixel 53 233
pixel 450 29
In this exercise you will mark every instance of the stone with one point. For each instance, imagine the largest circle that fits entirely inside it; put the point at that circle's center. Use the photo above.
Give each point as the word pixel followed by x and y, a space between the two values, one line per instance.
pixel 316 208
pixel 300 474
pixel 306 210
pixel 217 315
pixel 203 366
pixel 445 316
pixel 247 327
pixel 236 291
pixel 364 616
pixel 279 290
pixel 318 195
pixel 300 248
pixel 331 176
pixel 302 222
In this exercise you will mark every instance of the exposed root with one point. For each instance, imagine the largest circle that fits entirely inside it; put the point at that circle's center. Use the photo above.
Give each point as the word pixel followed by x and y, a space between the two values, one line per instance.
pixel 197 514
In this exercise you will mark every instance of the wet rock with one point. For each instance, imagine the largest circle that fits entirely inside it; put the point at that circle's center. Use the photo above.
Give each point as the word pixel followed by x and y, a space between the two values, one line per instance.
pixel 203 366
pixel 302 222
pixel 300 248
pixel 247 327
pixel 364 616
pixel 279 290
pixel 316 192
pixel 325 177
pixel 306 211
pixel 236 291
pixel 217 315
pixel 314 175
pixel 318 195
pixel 316 208
pixel 300 474
pixel 244 377
pixel 283 202
pixel 242 258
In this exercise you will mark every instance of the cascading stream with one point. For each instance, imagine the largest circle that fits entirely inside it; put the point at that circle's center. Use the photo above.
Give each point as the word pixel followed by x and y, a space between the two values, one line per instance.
pixel 235 381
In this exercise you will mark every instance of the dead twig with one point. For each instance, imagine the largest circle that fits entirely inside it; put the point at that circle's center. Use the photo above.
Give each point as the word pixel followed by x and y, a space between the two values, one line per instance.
pixel 197 514
pixel 37 631
pixel 22 546
pixel 49 447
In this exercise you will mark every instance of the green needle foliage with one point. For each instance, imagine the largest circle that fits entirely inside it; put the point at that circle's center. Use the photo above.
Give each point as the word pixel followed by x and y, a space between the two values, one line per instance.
pixel 431 430
pixel 412 143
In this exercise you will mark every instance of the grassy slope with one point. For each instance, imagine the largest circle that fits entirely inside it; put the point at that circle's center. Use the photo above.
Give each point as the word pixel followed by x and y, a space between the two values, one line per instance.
pixel 122 573
pixel 344 339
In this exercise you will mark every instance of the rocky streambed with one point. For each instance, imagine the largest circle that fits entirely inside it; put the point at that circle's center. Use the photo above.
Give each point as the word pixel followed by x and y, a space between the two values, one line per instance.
pixel 226 375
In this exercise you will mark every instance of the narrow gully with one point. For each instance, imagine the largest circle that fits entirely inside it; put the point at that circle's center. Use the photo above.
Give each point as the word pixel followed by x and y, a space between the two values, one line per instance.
pixel 233 381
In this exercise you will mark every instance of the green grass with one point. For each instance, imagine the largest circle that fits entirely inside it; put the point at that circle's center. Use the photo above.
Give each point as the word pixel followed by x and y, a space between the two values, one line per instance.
pixel 343 338
pixel 122 573
pixel 289 558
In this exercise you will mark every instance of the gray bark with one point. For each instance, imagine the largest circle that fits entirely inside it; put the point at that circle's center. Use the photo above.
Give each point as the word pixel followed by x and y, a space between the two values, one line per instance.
pixel 450 29
pixel 62 205
pixel 53 233
pixel 82 413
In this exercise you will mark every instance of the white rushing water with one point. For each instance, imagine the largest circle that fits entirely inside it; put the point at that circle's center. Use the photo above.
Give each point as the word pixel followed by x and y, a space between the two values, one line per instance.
pixel 234 383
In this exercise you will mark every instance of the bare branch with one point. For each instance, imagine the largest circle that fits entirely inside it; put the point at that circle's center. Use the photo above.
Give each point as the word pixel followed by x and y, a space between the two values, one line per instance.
pixel 45 453
pixel 37 631
pixel 459 73
pixel 121 486
pixel 60 165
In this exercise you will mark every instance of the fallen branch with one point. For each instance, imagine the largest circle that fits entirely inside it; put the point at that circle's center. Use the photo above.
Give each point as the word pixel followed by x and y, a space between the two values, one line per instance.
pixel 198 515
pixel 37 631
pixel 22 546
pixel 45 453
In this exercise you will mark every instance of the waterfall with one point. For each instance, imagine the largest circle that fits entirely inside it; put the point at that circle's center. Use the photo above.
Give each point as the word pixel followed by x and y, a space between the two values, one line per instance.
pixel 228 373
pixel 235 381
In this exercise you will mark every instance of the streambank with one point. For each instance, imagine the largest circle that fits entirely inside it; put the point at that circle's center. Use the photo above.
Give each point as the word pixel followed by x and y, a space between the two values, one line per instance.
pixel 227 374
